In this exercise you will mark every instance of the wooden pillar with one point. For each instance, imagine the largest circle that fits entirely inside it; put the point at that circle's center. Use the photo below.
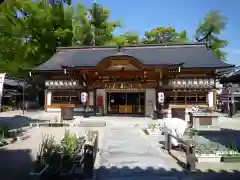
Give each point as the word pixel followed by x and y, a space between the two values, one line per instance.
pixel 206 97
pixel 156 94
pixel 95 100
pixel 45 100
pixel 214 98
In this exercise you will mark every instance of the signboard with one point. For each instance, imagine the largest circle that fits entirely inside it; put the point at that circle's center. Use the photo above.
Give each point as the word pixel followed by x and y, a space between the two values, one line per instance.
pixel 84 97
pixel 2 77
pixel 160 97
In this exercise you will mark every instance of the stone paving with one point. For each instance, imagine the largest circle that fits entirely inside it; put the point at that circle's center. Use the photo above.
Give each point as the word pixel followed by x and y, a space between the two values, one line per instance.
pixel 127 154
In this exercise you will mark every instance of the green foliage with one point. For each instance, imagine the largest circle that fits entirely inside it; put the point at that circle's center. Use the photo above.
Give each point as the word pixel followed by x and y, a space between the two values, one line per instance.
pixel 47 148
pixel 69 144
pixel 3 131
pixel 91 26
pixel 128 38
pixel 215 23
pixel 161 34
pixel 5 108
pixel 30 31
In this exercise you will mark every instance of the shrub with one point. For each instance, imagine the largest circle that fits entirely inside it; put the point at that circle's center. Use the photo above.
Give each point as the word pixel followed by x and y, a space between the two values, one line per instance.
pixel 4 130
pixel 5 108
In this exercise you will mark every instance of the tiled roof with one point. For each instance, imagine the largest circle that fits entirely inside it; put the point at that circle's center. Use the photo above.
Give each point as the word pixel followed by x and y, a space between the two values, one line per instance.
pixel 191 55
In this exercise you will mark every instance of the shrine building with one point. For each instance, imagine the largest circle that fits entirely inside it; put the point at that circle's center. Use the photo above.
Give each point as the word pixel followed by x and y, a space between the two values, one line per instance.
pixel 127 79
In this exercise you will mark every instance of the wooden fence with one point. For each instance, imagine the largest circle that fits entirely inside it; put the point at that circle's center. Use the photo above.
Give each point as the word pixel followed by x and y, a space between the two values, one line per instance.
pixel 188 147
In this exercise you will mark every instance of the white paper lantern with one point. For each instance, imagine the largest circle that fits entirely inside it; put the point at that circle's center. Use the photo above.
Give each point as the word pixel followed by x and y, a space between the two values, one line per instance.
pixel 189 82
pixel 84 97
pixel 160 97
pixel 184 82
pixel 179 82
pixel 206 82
pixel 60 83
pixel 195 82
pixel 212 81
pixel 47 83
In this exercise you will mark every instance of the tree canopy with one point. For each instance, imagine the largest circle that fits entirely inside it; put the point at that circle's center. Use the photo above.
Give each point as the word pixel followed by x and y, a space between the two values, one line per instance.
pixel 210 29
pixel 30 31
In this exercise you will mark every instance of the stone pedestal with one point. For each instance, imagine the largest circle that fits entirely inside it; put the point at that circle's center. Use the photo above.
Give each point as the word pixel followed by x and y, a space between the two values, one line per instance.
pixel 204 121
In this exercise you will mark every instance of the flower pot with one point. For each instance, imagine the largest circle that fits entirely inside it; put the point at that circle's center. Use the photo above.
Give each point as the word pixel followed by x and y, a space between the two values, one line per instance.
pixel 39 170
pixel 66 169
pixel 230 158
pixel 86 114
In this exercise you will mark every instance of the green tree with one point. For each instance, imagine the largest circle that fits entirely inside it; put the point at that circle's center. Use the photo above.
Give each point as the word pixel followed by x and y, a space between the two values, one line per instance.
pixel 30 31
pixel 127 38
pixel 131 38
pixel 31 38
pixel 11 41
pixel 160 35
pixel 210 29
pixel 91 26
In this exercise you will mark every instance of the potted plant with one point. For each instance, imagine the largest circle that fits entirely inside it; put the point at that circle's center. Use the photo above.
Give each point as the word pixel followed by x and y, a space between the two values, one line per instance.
pixel 86 113
pixel 44 156
pixel 69 146
pixel 39 167
pixel 3 141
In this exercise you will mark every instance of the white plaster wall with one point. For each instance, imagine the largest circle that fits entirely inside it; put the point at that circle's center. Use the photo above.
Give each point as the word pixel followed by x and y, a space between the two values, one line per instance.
pixel 150 101
pixel 102 92
pixel 91 98
pixel 210 99
pixel 49 98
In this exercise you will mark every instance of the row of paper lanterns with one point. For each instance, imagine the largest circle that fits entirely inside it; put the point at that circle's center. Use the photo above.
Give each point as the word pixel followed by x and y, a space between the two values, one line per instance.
pixel 193 82
pixel 61 83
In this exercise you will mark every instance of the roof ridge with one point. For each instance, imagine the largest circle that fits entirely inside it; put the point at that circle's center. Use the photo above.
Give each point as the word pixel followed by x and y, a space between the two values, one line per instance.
pixel 192 44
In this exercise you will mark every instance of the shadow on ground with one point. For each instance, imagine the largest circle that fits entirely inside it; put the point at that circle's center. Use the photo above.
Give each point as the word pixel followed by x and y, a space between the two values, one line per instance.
pixel 137 173
pixel 228 138
pixel 15 164
pixel 17 121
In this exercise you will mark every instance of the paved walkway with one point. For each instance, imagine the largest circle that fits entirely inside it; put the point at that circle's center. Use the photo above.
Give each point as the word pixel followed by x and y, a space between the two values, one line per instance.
pixel 127 154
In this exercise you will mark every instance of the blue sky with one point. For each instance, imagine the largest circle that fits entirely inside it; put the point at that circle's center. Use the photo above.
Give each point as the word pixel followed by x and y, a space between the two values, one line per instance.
pixel 142 15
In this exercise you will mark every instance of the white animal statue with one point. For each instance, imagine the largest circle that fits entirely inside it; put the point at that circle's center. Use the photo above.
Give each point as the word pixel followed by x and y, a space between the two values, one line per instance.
pixel 177 127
